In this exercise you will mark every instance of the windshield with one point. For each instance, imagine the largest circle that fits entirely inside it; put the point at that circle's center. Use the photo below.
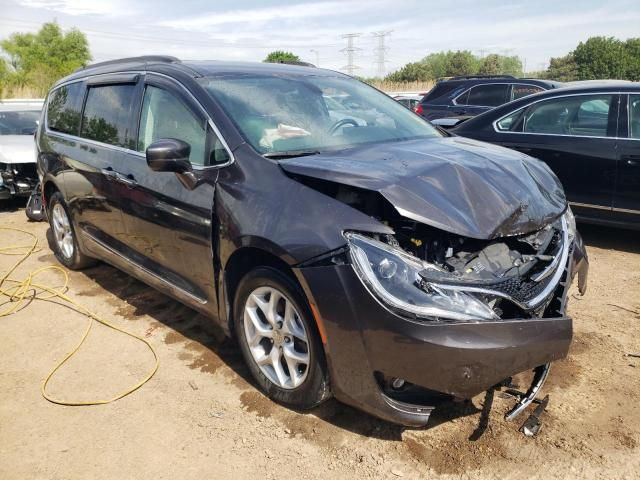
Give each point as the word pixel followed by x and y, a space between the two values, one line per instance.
pixel 19 122
pixel 280 114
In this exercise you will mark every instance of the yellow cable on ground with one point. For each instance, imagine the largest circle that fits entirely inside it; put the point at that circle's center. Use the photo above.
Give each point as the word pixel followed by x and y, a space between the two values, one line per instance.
pixel 18 294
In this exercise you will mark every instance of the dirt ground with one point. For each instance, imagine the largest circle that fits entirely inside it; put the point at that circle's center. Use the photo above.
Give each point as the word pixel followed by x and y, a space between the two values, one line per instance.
pixel 200 416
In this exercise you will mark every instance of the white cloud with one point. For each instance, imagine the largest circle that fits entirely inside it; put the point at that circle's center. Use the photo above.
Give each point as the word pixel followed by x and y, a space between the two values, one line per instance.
pixel 267 14
pixel 81 7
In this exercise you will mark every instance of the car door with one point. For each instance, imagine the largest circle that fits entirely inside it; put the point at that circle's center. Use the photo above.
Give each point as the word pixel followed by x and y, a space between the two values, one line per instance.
pixel 95 189
pixel 627 196
pixel 168 220
pixel 480 98
pixel 576 136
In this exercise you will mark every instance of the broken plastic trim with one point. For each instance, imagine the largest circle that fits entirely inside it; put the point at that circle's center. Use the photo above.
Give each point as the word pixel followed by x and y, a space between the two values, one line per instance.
pixel 540 376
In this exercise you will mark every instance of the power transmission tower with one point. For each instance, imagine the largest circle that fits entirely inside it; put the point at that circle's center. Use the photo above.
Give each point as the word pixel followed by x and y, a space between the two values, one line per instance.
pixel 350 50
pixel 317 56
pixel 380 51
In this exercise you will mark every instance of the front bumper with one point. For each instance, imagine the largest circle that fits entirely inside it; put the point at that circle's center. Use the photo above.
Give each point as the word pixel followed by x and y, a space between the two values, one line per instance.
pixel 365 341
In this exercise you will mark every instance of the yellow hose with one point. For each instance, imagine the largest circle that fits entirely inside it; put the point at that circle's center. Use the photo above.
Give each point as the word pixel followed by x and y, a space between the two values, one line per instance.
pixel 17 294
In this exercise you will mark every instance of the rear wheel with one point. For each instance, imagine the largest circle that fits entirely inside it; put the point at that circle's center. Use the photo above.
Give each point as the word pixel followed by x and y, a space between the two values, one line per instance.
pixel 64 242
pixel 279 340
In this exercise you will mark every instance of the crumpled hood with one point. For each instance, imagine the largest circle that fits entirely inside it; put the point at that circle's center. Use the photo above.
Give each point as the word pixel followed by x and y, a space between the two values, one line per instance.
pixel 17 149
pixel 462 186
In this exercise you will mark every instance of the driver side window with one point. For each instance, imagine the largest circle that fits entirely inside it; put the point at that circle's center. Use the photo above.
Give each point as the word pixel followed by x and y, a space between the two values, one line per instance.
pixel 165 116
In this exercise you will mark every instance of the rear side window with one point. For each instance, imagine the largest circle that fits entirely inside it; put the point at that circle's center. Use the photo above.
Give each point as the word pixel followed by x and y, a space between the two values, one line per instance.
pixel 581 115
pixel 490 95
pixel 63 110
pixel 634 116
pixel 441 89
pixel 165 116
pixel 520 91
pixel 107 115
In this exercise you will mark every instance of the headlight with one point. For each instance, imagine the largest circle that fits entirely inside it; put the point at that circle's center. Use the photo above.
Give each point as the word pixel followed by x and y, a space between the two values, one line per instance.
pixel 571 224
pixel 393 277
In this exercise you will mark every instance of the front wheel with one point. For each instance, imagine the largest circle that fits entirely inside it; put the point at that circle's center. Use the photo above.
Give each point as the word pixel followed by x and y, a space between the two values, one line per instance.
pixel 64 242
pixel 279 340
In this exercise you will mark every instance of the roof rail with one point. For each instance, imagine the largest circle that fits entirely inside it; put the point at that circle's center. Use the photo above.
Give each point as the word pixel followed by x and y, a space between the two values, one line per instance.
pixel 142 59
pixel 472 77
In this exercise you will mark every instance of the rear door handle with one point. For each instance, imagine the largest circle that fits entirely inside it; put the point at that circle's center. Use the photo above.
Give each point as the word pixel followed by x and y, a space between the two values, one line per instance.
pixel 631 159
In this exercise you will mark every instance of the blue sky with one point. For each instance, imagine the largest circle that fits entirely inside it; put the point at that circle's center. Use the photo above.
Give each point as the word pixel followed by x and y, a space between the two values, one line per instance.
pixel 248 30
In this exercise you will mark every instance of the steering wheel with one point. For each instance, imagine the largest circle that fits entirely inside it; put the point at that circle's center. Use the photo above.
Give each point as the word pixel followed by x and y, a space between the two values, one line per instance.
pixel 341 123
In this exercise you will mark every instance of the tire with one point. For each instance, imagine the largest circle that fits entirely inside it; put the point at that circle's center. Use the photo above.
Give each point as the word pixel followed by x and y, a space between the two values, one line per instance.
pixel 63 241
pixel 309 384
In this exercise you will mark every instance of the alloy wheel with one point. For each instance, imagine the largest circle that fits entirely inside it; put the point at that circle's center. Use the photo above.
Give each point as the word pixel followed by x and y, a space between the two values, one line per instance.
pixel 62 230
pixel 276 337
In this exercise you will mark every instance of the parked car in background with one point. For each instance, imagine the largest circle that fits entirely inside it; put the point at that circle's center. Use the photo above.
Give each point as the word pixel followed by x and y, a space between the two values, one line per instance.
pixel 588 133
pixel 18 122
pixel 388 264
pixel 467 96
pixel 409 100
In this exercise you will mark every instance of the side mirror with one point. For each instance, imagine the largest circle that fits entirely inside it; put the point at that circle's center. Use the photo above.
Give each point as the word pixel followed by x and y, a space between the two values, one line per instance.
pixel 169 155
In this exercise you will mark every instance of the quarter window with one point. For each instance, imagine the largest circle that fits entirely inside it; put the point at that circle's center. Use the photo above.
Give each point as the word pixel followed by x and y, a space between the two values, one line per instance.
pixel 165 116
pixel 634 116
pixel 586 115
pixel 63 111
pixel 107 115
pixel 490 95
pixel 510 122
pixel 519 91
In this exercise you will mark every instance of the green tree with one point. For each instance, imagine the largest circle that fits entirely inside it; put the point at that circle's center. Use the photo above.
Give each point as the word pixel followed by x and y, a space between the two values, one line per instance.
pixel 495 64
pixel 632 46
pixel 280 56
pixel 437 65
pixel 411 72
pixel 562 69
pixel 490 65
pixel 462 62
pixel 4 75
pixel 39 59
pixel 601 58
pixel 511 65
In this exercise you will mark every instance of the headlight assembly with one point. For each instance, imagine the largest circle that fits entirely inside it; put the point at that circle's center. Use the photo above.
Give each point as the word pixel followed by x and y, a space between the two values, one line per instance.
pixel 571 224
pixel 393 277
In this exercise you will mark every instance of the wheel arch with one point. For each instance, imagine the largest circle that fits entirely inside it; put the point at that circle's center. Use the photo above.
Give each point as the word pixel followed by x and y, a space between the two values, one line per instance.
pixel 242 261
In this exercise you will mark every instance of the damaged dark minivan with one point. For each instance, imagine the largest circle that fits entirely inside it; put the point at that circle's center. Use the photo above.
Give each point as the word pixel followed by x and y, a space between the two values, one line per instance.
pixel 356 251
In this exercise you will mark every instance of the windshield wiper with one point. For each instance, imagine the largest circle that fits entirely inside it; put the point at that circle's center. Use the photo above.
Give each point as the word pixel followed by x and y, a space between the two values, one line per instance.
pixel 290 154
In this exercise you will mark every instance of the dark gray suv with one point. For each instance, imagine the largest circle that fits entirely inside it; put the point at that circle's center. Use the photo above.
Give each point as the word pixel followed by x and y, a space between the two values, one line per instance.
pixel 378 260
pixel 468 96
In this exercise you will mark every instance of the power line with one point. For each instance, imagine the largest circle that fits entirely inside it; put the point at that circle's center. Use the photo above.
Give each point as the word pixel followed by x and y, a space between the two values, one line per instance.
pixel 380 51
pixel 350 50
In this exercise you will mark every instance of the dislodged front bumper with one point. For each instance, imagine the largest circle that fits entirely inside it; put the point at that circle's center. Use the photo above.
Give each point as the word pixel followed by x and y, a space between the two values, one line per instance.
pixel 365 339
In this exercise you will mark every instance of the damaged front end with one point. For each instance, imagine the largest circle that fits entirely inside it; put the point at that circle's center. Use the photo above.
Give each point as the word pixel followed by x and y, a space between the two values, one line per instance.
pixel 439 279
pixel 17 179
pixel 457 279
pixel 469 287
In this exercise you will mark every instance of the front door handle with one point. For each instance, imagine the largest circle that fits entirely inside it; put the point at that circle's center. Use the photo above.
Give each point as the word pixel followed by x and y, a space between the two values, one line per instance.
pixel 127 180
pixel 109 172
